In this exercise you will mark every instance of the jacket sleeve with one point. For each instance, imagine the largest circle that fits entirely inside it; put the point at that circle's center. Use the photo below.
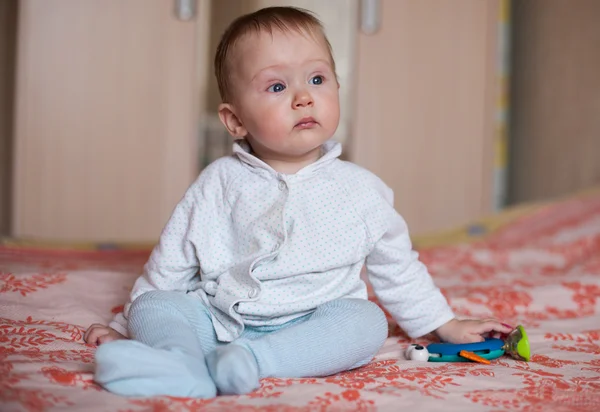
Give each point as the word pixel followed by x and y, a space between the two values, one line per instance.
pixel 400 281
pixel 173 263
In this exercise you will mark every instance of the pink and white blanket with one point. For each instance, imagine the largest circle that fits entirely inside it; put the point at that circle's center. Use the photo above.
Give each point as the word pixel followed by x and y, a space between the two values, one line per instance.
pixel 539 268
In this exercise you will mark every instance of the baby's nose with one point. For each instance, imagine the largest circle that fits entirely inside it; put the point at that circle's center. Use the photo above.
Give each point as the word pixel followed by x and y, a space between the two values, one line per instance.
pixel 303 99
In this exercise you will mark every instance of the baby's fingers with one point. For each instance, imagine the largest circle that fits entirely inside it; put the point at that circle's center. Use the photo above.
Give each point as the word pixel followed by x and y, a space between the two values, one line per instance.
pixel 107 338
pixel 491 325
pixel 94 332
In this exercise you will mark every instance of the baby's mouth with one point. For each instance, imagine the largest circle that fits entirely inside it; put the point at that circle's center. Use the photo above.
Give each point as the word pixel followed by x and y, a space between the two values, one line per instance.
pixel 306 123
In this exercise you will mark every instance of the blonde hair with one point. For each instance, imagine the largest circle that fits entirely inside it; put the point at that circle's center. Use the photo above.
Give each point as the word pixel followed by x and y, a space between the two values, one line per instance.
pixel 285 19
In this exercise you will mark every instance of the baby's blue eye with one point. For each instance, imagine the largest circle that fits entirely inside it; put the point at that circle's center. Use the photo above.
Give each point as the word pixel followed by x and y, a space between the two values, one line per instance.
pixel 276 88
pixel 316 80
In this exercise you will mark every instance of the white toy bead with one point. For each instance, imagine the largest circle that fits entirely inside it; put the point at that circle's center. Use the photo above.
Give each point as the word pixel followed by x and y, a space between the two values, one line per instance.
pixel 409 349
pixel 419 353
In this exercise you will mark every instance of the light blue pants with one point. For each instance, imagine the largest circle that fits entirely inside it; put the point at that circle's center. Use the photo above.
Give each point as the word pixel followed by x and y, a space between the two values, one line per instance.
pixel 175 350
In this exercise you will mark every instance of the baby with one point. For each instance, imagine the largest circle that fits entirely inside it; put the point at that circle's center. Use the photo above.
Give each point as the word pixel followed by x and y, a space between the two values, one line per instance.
pixel 257 272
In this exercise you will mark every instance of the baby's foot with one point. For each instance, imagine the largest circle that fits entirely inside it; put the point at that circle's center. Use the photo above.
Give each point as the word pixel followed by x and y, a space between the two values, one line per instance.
pixel 130 368
pixel 234 370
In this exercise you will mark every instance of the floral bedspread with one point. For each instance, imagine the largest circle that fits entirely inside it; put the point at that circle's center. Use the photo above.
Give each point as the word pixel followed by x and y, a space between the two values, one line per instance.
pixel 540 269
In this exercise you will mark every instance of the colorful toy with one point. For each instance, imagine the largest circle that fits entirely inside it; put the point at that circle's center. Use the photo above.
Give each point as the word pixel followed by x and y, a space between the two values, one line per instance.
pixel 516 345
pixel 489 349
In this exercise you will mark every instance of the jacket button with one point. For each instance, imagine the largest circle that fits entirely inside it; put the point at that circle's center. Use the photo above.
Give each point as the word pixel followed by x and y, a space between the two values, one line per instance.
pixel 282 185
pixel 252 293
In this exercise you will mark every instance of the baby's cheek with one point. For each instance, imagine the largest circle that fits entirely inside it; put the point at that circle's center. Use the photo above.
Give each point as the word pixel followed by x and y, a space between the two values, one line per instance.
pixel 272 126
pixel 332 112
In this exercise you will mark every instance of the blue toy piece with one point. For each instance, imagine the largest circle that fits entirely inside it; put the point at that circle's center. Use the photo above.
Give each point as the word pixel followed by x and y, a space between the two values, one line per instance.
pixel 489 349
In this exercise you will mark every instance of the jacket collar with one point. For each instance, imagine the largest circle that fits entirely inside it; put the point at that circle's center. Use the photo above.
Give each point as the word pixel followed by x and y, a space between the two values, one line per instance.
pixel 330 150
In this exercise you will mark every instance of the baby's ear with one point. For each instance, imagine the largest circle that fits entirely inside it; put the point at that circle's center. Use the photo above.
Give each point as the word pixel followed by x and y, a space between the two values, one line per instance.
pixel 231 121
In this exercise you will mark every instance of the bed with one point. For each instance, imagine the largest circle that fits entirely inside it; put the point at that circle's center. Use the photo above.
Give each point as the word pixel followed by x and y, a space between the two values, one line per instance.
pixel 536 265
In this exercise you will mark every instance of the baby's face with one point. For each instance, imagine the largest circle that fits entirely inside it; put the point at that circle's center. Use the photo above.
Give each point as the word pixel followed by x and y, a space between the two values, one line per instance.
pixel 285 94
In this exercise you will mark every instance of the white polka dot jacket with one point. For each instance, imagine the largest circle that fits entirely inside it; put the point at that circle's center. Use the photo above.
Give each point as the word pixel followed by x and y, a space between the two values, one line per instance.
pixel 262 248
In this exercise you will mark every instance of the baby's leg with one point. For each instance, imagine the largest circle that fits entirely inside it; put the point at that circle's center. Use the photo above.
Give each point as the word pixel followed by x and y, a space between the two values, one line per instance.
pixel 170 334
pixel 338 336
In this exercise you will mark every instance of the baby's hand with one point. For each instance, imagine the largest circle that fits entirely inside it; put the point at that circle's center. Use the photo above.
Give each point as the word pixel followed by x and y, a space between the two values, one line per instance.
pixel 98 334
pixel 471 330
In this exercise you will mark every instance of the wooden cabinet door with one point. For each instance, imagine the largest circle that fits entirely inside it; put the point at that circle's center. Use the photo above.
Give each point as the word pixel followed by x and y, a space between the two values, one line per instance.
pixel 425 108
pixel 555 142
pixel 107 107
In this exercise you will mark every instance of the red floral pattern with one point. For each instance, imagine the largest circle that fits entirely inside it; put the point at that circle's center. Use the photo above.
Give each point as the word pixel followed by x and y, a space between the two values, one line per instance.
pixel 29 284
pixel 541 270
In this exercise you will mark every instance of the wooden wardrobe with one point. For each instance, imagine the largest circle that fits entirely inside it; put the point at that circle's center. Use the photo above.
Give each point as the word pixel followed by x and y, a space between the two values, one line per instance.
pixel 109 94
